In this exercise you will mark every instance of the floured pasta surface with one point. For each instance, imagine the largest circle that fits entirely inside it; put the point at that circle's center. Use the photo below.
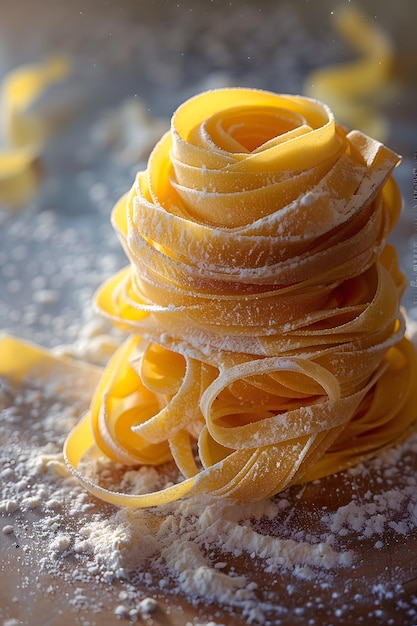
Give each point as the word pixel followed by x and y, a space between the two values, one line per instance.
pixel 267 342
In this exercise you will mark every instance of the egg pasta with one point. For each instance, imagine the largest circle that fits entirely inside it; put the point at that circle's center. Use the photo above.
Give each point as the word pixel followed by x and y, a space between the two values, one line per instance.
pixel 265 341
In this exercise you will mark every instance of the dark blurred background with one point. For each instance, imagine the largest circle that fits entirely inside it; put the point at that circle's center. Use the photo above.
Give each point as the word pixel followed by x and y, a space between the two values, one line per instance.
pixel 163 49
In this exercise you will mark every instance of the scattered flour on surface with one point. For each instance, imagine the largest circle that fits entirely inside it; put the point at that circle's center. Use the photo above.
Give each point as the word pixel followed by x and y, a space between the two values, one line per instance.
pixel 187 548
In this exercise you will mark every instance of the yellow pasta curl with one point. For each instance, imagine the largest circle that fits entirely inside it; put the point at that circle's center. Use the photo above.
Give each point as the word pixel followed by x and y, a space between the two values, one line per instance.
pixel 354 89
pixel 22 134
pixel 266 342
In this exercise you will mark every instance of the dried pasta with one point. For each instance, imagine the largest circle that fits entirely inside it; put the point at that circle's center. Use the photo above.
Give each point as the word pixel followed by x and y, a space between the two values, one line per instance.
pixel 266 341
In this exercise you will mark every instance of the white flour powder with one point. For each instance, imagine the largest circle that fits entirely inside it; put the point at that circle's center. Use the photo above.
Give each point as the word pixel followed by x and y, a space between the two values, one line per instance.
pixel 249 559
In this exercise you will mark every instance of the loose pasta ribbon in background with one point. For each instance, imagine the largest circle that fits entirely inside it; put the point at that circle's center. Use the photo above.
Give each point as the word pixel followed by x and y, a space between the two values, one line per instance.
pixel 266 342
pixel 353 89
pixel 23 134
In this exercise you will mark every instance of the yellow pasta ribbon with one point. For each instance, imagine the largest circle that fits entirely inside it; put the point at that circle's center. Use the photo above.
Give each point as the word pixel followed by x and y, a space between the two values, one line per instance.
pixel 24 134
pixel 352 89
pixel 266 343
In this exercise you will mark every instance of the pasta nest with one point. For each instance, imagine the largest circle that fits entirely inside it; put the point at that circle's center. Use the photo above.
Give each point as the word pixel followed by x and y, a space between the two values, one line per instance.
pixel 266 341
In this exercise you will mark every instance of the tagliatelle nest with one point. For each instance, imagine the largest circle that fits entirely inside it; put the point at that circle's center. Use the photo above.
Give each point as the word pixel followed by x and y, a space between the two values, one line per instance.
pixel 263 304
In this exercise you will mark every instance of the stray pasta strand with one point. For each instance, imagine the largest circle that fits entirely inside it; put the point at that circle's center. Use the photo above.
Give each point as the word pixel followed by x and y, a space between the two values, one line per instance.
pixel 23 135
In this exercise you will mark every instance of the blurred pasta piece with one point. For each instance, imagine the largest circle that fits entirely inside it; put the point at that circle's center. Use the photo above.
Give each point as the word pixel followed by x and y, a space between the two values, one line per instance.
pixel 23 132
pixel 130 131
pixel 354 90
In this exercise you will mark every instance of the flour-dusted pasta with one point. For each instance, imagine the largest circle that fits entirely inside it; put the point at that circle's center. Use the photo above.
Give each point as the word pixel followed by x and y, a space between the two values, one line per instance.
pixel 266 342
pixel 263 302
